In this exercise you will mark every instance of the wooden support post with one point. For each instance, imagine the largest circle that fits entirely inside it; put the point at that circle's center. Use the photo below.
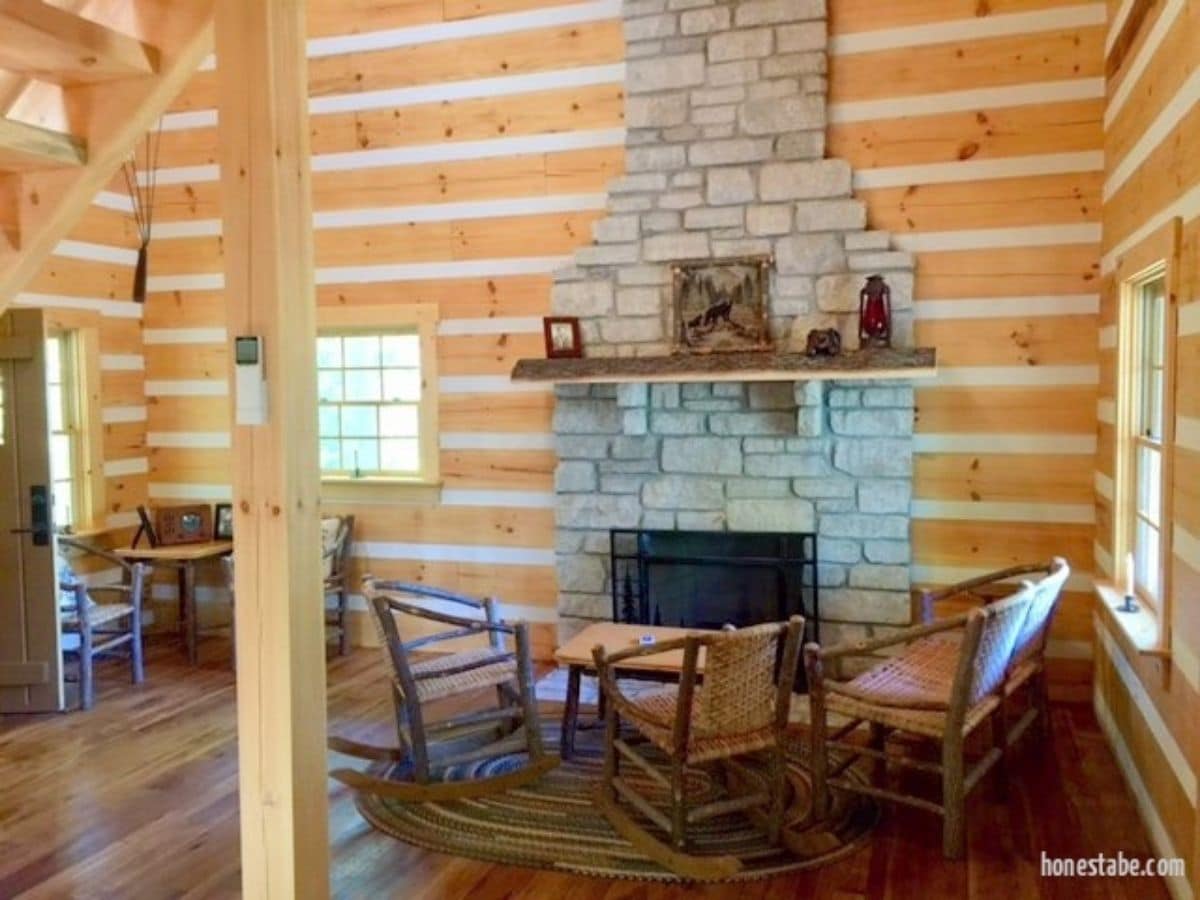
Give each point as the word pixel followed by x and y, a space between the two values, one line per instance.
pixel 269 289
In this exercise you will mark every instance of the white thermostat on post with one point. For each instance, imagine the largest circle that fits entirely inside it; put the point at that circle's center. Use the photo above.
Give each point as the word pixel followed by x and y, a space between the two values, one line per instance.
pixel 251 382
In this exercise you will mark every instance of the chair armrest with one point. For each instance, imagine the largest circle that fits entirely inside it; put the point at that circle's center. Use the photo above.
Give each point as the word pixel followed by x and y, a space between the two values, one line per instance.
pixel 612 691
pixel 907 636
pixel 420 590
pixel 478 625
pixel 930 598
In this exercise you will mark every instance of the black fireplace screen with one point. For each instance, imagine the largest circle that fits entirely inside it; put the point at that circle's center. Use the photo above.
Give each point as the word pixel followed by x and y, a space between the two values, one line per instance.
pixel 705 579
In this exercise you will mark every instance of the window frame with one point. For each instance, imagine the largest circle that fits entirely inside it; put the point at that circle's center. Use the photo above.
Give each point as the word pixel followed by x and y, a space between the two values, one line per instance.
pixel 418 318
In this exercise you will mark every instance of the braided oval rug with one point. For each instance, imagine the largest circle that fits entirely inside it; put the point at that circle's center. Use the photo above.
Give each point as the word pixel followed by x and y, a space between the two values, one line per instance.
pixel 553 823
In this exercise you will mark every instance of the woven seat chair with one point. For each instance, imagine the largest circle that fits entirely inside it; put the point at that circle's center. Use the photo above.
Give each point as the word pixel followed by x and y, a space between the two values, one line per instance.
pixel 934 687
pixel 1027 668
pixel 94 628
pixel 419 679
pixel 740 708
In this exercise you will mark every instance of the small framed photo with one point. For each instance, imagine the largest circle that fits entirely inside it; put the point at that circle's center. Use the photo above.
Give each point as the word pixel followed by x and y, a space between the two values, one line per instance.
pixel 562 337
pixel 223 522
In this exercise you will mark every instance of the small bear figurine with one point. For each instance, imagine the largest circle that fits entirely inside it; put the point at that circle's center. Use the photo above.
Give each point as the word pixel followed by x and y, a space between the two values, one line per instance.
pixel 823 342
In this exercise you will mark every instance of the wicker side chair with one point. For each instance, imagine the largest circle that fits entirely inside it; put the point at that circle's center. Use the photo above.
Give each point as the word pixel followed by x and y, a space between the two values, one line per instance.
pixel 740 708
pixel 1027 668
pixel 934 688
pixel 337 537
pixel 420 678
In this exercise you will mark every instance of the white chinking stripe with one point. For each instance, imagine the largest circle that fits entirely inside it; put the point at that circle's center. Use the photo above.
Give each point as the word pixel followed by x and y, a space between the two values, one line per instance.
pixel 188 387
pixel 984 511
pixel 1106 411
pixel 117 415
pixel 507 499
pixel 1056 19
pixel 1187 546
pixel 121 520
pixel 1117 23
pixel 1178 887
pixel 1189 317
pixel 122 362
pixel 113 309
pixel 970 100
pixel 506 23
pixel 1003 307
pixel 85 250
pixel 115 468
pixel 1104 486
pixel 114 201
pixel 1103 559
pixel 467 553
pixel 1170 115
pixel 946 575
pixel 213 281
pixel 1186 207
pixel 161 336
pixel 981 238
pixel 427 153
pixel 1012 376
pixel 163 490
pixel 1187 432
pixel 1149 712
pixel 511 325
pixel 1108 337
pixel 489 384
pixel 979 169
pixel 196 440
pixel 1145 53
pixel 496 440
pixel 403 215
pixel 1049 444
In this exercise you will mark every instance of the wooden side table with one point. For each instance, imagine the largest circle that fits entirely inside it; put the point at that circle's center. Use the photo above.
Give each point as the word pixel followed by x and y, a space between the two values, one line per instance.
pixel 182 558
pixel 576 655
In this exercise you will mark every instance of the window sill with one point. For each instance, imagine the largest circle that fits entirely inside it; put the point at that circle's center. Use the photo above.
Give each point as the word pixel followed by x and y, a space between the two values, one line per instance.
pixel 403 491
pixel 1141 629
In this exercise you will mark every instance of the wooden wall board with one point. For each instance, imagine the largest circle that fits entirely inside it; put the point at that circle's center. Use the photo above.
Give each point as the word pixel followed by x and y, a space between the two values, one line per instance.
pixel 1004 410
pixel 1032 341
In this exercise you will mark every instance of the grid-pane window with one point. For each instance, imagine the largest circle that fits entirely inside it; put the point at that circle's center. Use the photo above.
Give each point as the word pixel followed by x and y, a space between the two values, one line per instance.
pixel 66 431
pixel 369 418
pixel 1148 410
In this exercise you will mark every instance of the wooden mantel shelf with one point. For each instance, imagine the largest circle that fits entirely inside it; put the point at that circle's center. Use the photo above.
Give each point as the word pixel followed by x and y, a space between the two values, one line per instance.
pixel 919 362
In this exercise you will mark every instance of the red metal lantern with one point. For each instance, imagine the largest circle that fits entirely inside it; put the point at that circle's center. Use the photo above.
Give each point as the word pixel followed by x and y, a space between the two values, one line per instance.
pixel 875 313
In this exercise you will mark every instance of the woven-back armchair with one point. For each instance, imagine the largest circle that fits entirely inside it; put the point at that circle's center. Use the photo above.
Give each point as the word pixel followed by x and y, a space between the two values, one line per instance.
pixel 741 707
pixel 946 680
pixel 1027 667
pixel 337 537
pixel 420 677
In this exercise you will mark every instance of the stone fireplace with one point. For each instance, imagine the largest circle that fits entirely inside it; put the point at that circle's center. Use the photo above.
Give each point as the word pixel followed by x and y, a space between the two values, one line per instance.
pixel 726 116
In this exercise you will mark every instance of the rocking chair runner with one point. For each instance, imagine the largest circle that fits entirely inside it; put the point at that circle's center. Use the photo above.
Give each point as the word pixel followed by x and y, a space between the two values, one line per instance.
pixel 418 680
pixel 741 708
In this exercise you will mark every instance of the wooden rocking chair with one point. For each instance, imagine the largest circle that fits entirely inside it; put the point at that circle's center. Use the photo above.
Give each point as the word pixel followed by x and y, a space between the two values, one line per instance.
pixel 741 708
pixel 418 680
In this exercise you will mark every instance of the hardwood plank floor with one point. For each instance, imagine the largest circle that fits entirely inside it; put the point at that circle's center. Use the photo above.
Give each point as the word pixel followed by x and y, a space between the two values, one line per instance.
pixel 138 799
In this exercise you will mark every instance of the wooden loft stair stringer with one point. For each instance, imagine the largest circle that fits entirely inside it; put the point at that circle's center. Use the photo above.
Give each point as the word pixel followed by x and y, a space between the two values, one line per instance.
pixel 114 88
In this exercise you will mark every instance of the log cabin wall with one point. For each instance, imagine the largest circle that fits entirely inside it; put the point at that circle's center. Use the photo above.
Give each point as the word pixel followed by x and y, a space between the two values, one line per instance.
pixel 1148 704
pixel 976 139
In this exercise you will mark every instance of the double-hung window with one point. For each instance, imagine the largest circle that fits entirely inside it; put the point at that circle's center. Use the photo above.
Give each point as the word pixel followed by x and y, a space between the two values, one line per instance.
pixel 68 465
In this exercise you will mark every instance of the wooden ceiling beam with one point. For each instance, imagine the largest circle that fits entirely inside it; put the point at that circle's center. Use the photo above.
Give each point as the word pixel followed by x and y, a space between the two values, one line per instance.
pixel 26 148
pixel 47 43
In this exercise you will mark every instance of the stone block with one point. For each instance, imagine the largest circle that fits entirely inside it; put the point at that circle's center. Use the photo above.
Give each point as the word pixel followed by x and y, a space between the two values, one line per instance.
pixel 597 511
pixel 620 483
pixel 607 255
pixel 700 521
pixel 765 445
pixel 729 186
pixel 884 578
pixel 633 394
pixel 869 240
pixel 714 115
pixel 677 422
pixel 831 488
pixel 757 488
pixel 582 298
pixel 838 293
pixel 865 527
pixel 778 115
pixel 745 44
pixel 586 417
pixel 769 12
pixel 718 96
pixel 631 329
pixel 830 575
pixel 789 515
pixel 771 395
pixel 706 217
pixel 786 466
pixel 661 158
pixel 862 605
pixel 580 573
pixel 635 184
pixel 871 422
pixel 809 254
pixel 634 447
pixel 729 152
pixel 801 145
pixel 570 446
pixel 616 229
pixel 636 8
pixel 639 301
pixel 655 222
pixel 583 608
pixel 886 552
pixel 695 390
pixel 880 261
pixel 635 421
pixel 679 492
pixel 675 245
pixel 769 220
pixel 574 476
pixel 664 73
pixel 842 551
pixel 844 397
pixel 712 405
pixel 752 423
pixel 702 455
pixel 802 37
pixel 877 458
pixel 743 71
pixel 885 495
pixel 648 28
pixel 664 396
pixel 830 215
pixel 804 180
pixel 704 21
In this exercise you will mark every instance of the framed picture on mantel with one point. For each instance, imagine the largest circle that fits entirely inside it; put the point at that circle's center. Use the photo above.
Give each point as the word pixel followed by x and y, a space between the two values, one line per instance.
pixel 720 305
pixel 562 336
